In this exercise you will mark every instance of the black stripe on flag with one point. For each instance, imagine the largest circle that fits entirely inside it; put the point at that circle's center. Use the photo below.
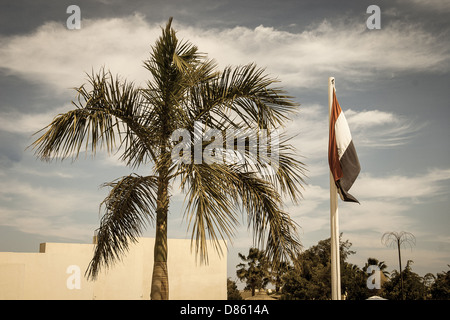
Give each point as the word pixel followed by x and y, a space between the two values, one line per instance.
pixel 350 169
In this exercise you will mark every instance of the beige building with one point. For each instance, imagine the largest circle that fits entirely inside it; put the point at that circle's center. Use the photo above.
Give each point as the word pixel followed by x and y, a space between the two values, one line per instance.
pixel 57 272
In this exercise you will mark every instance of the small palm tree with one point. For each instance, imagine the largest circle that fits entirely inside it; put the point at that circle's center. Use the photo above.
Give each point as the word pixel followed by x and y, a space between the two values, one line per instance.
pixel 399 239
pixel 185 89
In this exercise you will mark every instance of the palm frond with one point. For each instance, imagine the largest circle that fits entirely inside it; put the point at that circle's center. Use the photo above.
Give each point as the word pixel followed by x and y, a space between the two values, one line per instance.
pixel 129 206
pixel 67 133
pixel 176 67
pixel 215 193
pixel 248 93
pixel 209 209
pixel 104 112
pixel 266 218
pixel 288 172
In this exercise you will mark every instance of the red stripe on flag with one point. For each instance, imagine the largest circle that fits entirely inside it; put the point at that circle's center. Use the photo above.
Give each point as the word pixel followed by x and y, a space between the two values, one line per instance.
pixel 333 157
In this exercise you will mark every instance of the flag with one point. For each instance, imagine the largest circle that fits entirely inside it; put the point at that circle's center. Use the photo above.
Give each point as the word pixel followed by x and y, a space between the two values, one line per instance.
pixel 342 157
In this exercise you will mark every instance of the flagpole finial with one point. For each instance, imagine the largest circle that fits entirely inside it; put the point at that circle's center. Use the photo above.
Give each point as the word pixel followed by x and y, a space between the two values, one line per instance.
pixel 331 81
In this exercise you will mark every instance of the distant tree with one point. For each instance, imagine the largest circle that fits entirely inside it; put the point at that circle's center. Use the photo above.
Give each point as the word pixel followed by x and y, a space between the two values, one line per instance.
pixel 440 289
pixel 384 276
pixel 232 290
pixel 301 285
pixel 354 282
pixel 277 275
pixel 380 264
pixel 255 271
pixel 428 281
pixel 413 285
pixel 310 277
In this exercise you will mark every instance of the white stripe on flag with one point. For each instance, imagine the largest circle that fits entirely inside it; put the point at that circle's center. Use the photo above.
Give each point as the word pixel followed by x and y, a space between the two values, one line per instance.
pixel 343 135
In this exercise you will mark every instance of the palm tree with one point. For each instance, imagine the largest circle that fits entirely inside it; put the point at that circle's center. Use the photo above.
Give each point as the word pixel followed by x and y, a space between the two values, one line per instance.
pixel 185 89
pixel 397 239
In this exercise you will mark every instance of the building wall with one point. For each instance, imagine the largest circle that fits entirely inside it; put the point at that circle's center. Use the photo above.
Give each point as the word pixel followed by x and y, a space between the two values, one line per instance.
pixel 57 272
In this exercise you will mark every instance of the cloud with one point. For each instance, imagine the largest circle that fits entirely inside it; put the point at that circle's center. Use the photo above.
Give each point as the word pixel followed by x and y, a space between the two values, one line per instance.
pixel 370 129
pixel 377 128
pixel 53 201
pixel 310 131
pixel 420 186
pixel 58 56
pixel 27 123
pixel 374 215
pixel 328 48
pixel 48 211
pixel 369 118
pixel 386 204
pixel 10 151
pixel 429 5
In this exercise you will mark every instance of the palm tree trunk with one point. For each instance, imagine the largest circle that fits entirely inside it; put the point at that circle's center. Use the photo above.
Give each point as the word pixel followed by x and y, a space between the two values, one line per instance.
pixel 400 266
pixel 160 279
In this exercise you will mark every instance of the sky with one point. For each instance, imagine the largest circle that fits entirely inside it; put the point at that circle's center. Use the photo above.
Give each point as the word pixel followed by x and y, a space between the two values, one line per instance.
pixel 392 84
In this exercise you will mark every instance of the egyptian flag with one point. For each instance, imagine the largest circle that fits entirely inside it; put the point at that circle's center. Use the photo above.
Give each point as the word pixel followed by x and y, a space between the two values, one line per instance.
pixel 342 157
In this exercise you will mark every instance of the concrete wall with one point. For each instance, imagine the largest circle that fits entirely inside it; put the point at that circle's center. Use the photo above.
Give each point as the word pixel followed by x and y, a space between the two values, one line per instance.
pixel 57 272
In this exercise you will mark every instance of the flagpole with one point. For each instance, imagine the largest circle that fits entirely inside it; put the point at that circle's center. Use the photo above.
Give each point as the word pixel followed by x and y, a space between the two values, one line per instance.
pixel 334 217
